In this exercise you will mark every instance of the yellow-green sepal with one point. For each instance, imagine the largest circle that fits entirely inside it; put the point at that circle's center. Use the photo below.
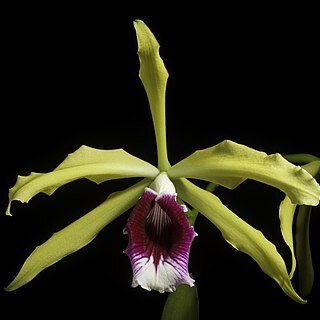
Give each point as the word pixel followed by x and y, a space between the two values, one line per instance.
pixel 229 164
pixel 239 234
pixel 154 76
pixel 77 234
pixel 94 164
pixel 287 211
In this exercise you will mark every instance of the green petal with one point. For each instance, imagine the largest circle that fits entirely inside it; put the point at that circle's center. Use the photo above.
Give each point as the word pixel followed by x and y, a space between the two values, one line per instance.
pixel 182 304
pixel 154 76
pixel 239 234
pixel 303 250
pixel 93 164
pixel 286 215
pixel 229 163
pixel 77 234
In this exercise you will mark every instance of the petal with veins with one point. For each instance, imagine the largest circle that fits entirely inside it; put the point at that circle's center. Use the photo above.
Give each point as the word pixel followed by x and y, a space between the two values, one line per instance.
pixel 160 238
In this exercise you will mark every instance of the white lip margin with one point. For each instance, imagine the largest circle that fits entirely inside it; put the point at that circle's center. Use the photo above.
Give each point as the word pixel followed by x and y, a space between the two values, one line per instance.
pixel 165 278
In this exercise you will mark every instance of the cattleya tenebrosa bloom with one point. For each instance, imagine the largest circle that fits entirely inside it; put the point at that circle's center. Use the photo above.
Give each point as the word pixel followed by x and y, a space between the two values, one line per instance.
pixel 159 230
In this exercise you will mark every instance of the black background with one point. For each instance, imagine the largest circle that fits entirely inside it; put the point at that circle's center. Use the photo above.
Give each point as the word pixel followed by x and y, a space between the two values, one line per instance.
pixel 70 77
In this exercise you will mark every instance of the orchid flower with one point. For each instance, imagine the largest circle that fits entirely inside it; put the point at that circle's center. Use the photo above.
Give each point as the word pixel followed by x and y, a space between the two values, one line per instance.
pixel 160 227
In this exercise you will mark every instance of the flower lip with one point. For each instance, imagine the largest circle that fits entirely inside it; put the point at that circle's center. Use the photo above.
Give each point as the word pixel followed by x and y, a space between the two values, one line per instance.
pixel 160 238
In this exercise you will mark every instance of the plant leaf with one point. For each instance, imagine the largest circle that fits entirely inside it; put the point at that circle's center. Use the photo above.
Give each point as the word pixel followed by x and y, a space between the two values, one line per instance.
pixel 77 234
pixel 239 234
pixel 229 163
pixel 86 162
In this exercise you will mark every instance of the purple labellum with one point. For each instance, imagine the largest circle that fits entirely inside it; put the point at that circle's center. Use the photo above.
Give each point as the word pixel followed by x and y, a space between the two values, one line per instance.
pixel 160 238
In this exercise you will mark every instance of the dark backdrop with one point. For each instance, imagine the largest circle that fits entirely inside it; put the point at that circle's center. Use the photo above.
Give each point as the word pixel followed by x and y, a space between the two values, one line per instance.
pixel 70 77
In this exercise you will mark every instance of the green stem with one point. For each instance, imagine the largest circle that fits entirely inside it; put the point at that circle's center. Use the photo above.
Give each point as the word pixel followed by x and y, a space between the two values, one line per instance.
pixel 303 251
pixel 300 157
